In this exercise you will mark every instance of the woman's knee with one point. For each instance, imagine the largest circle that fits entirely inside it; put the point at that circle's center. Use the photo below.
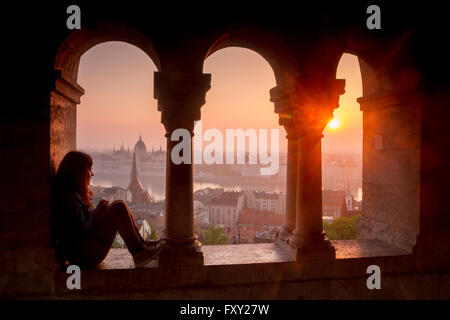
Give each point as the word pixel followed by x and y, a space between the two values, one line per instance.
pixel 119 207
pixel 118 203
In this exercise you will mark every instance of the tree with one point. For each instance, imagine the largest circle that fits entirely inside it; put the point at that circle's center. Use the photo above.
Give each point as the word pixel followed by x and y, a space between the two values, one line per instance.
pixel 214 235
pixel 154 233
pixel 341 228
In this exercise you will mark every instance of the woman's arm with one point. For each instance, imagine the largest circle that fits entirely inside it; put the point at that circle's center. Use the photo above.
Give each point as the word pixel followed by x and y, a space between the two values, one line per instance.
pixel 101 208
pixel 79 214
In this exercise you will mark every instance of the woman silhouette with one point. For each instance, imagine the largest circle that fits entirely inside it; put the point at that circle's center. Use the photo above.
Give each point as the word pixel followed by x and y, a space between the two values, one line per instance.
pixel 82 235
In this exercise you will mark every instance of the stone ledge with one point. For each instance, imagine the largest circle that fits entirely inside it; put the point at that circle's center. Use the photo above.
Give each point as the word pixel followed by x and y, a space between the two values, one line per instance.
pixel 252 271
pixel 261 253
pixel 237 266
pixel 401 286
pixel 365 248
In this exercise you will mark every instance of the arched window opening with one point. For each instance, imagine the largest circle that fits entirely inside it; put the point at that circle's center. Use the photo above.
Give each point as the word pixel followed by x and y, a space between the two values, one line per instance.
pixel 232 178
pixel 371 161
pixel 342 157
pixel 119 125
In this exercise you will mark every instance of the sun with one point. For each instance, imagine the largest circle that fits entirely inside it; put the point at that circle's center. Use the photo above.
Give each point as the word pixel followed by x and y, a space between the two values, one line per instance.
pixel 334 124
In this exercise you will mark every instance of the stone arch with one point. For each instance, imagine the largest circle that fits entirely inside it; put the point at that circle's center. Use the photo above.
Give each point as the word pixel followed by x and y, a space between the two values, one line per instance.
pixel 66 92
pixel 285 67
pixel 391 140
pixel 385 64
pixel 275 51
pixel 79 41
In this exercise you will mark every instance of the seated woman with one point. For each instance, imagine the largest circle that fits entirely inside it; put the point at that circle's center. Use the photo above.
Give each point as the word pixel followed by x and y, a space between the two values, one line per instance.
pixel 82 235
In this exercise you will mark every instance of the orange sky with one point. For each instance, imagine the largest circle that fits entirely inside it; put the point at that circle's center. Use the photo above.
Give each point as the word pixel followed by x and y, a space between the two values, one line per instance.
pixel 118 103
pixel 348 137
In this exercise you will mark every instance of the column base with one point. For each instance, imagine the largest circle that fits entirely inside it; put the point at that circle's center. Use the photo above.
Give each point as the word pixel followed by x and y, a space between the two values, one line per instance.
pixel 312 247
pixel 284 234
pixel 185 255
pixel 432 252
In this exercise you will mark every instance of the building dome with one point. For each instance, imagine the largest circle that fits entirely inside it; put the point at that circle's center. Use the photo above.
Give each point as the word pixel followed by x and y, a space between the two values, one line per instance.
pixel 140 147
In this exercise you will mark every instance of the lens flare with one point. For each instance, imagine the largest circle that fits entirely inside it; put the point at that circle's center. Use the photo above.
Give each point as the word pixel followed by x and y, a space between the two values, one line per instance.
pixel 334 124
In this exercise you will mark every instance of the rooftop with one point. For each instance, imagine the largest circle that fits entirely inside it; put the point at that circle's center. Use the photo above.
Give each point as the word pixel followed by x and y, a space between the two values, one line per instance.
pixel 232 202
pixel 260 218
pixel 266 195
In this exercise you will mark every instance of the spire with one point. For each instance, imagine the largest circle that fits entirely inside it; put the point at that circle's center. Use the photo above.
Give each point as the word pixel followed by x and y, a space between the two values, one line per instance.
pixel 133 167
pixel 348 186
pixel 136 188
pixel 140 138
pixel 135 185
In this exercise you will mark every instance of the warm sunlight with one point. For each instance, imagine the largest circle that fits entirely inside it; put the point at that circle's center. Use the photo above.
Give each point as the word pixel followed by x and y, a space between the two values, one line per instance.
pixel 334 124
pixel 344 133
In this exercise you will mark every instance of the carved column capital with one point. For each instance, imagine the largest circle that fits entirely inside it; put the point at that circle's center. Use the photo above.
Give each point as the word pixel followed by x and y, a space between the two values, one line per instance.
pixel 311 120
pixel 306 110
pixel 286 100
pixel 324 95
pixel 180 97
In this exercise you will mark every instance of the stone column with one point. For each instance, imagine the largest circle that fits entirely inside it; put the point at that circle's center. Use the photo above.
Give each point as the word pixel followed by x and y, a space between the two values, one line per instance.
pixel 308 237
pixel 291 186
pixel 285 101
pixel 180 97
pixel 309 119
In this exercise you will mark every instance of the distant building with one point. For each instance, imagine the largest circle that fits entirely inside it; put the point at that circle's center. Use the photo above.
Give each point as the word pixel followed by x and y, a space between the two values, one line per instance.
pixel 138 193
pixel 108 193
pixel 149 163
pixel 339 203
pixel 121 154
pixel 140 154
pixel 147 210
pixel 265 201
pixel 144 230
pixel 350 207
pixel 206 195
pixel 256 226
pixel 224 209
pixel 332 203
pixel 201 213
pixel 342 170
pixel 158 156
pixel 254 217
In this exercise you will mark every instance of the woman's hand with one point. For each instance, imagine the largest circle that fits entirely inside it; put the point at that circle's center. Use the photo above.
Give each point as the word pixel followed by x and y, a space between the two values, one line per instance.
pixel 103 202
pixel 101 207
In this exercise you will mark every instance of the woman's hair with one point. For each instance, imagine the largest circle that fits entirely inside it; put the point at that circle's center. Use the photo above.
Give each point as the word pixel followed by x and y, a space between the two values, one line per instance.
pixel 71 175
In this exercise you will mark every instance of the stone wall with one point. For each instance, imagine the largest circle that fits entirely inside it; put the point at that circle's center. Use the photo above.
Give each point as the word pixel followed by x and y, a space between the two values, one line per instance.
pixel 35 274
pixel 391 169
